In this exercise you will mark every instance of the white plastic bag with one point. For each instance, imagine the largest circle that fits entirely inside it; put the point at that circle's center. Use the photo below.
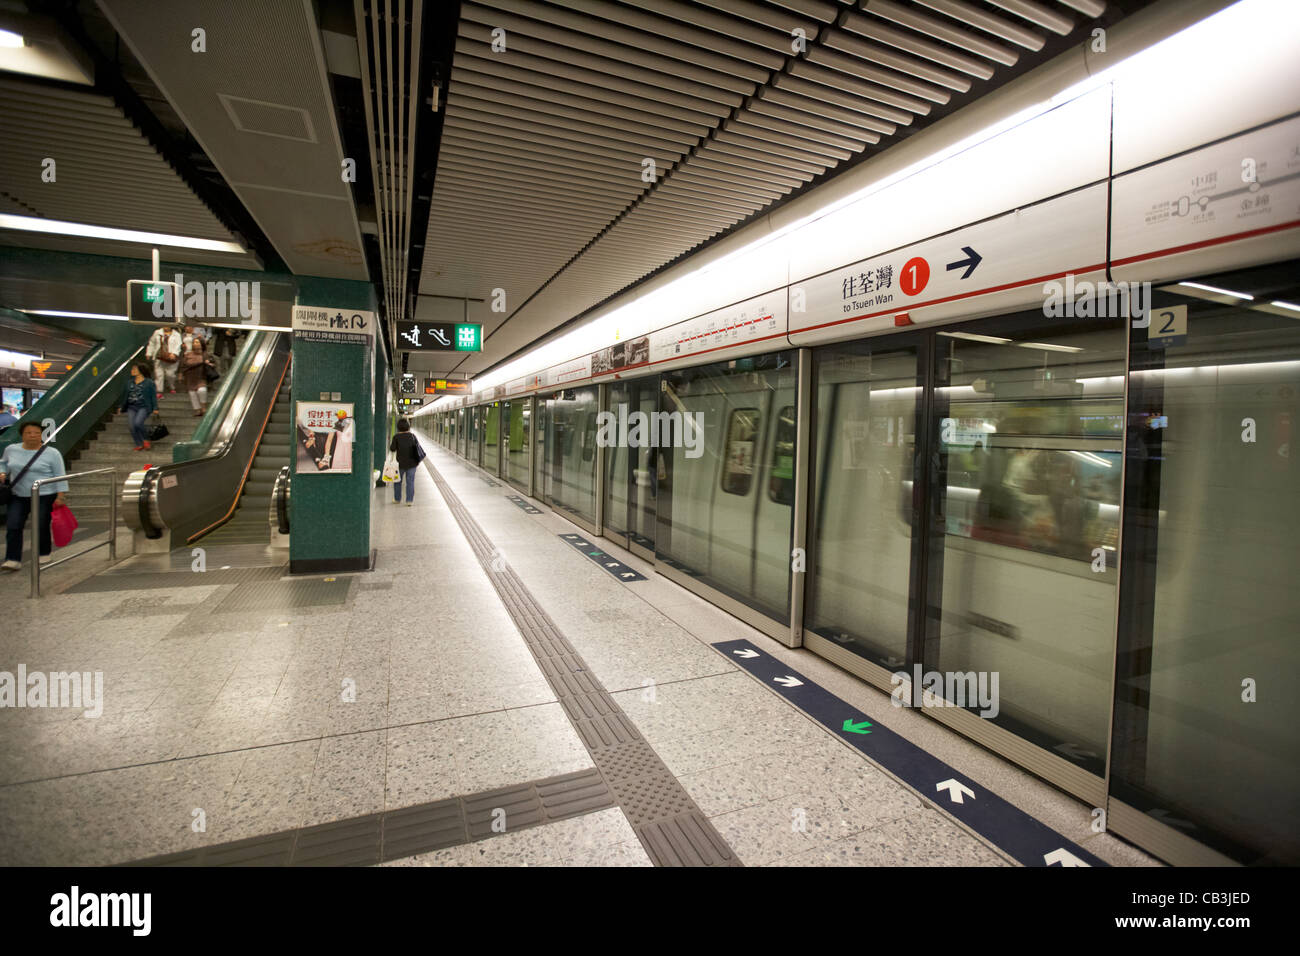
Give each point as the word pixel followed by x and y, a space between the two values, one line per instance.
pixel 391 472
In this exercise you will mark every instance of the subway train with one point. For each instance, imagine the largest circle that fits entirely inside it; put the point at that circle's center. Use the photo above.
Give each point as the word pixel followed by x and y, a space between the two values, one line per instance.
pixel 917 453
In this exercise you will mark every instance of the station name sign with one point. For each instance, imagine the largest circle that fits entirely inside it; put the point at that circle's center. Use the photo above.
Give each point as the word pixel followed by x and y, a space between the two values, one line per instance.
pixel 439 337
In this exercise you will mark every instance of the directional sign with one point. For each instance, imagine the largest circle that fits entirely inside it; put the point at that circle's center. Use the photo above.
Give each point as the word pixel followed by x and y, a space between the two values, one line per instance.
pixel 523 505
pixel 1006 826
pixel 153 303
pixel 439 337
pixel 348 326
pixel 972 259
pixel 49 369
pixel 607 561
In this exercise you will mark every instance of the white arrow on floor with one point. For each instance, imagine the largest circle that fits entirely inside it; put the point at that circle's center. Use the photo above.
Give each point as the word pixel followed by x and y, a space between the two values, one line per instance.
pixel 1063 857
pixel 745 652
pixel 955 790
pixel 788 681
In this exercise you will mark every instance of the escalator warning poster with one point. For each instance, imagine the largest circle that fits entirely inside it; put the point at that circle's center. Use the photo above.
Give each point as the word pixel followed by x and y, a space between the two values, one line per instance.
pixel 324 432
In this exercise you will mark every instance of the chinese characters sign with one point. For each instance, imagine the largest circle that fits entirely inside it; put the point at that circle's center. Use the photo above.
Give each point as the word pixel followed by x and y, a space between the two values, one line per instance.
pixel 333 325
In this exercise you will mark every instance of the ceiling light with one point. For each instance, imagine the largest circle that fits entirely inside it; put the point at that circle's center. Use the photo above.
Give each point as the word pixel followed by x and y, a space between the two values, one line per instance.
pixel 1210 288
pixel 75 315
pixel 992 339
pixel 1049 347
pixel 10 40
pixel 33 224
pixel 1286 305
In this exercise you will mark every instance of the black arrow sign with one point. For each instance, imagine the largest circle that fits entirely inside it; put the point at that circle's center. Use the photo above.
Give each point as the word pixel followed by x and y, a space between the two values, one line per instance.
pixel 972 259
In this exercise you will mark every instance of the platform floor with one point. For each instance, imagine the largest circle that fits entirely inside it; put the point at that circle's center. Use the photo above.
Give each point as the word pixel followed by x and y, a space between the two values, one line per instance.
pixel 404 715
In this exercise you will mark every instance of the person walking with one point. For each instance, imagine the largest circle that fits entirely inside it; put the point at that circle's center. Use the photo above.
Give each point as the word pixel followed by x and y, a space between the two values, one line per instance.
pixel 409 453
pixel 139 401
pixel 164 350
pixel 21 465
pixel 194 370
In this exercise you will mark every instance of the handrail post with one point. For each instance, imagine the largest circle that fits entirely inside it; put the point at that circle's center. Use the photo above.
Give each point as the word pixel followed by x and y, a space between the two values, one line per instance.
pixel 35 550
pixel 112 517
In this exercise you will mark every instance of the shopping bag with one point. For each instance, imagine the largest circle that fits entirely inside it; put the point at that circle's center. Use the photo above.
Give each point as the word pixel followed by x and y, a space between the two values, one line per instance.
pixel 62 523
pixel 391 472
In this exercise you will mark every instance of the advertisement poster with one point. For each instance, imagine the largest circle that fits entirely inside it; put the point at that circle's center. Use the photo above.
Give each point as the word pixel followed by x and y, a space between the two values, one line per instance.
pixel 324 434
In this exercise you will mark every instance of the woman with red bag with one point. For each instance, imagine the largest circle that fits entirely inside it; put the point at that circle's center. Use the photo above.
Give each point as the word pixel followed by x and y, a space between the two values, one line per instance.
pixel 20 466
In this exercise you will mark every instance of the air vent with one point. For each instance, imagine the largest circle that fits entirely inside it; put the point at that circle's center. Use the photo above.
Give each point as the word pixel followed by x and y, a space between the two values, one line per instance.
pixel 269 119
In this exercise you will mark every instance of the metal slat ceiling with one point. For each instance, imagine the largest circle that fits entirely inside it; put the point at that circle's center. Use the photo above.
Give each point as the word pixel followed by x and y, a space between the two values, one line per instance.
pixel 106 174
pixel 539 189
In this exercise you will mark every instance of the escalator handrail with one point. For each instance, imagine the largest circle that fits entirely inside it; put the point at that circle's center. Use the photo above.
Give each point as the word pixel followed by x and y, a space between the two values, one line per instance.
pixel 280 500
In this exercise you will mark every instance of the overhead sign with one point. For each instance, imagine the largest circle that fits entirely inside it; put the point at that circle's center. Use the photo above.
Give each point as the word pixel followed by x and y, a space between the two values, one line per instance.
pixel 349 326
pixel 439 337
pixel 153 303
pixel 436 386
pixel 49 369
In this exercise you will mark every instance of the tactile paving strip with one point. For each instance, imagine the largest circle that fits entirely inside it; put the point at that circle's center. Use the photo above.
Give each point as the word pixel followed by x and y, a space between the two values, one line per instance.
pixel 665 819
pixel 393 834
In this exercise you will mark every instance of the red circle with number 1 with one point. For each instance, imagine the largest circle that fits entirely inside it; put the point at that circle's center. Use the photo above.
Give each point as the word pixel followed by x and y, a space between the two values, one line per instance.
pixel 916 273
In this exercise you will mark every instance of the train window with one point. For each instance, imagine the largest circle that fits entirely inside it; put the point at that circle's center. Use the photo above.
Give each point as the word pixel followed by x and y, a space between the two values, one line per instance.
pixel 780 486
pixel 738 464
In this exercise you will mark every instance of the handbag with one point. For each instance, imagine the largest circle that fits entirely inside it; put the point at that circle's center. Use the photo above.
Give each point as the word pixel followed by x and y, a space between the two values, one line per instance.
pixel 158 430
pixel 210 373
pixel 7 486
pixel 62 523
pixel 420 453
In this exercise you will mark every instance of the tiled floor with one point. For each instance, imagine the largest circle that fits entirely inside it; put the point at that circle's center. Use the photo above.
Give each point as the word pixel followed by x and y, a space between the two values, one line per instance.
pixel 221 725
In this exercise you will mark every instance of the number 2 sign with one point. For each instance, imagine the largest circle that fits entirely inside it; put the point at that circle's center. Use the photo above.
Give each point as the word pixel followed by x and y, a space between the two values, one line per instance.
pixel 1168 327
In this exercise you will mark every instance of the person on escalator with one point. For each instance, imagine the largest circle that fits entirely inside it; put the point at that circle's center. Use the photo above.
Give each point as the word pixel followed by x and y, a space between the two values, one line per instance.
pixel 225 348
pixel 139 401
pixel 194 370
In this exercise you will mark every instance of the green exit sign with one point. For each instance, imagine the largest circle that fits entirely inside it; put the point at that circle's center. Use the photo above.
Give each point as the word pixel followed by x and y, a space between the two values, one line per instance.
pixel 153 303
pixel 469 338
pixel 154 293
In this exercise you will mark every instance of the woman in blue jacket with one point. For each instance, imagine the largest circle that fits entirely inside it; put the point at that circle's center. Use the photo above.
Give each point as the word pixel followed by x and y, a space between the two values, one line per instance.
pixel 139 401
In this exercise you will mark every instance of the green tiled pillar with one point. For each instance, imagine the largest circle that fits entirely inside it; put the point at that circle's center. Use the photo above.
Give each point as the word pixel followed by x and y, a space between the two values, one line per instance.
pixel 329 512
pixel 381 406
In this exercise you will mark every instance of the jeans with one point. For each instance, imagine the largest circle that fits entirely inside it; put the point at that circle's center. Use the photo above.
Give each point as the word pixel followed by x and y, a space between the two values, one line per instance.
pixel 136 416
pixel 404 475
pixel 16 519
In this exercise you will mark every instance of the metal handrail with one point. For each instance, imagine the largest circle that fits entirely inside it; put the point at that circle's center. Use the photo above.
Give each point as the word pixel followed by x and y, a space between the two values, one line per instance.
pixel 36 524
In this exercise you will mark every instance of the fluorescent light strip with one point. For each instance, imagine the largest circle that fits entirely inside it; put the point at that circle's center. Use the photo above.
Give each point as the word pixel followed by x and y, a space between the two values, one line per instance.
pixel 75 315
pixel 1210 288
pixel 992 339
pixel 60 228
pixel 1049 348
pixel 1286 305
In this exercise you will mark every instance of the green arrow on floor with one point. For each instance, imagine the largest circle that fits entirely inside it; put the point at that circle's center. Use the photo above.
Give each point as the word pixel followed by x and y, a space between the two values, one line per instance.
pixel 851 728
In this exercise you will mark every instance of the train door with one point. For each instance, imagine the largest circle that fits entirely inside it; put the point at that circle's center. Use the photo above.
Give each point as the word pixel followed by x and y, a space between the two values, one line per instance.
pixel 516 419
pixel 541 448
pixel 492 438
pixel 632 463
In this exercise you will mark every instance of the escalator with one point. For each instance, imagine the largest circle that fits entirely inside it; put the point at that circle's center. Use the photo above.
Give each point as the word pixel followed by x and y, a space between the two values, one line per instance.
pixel 218 487
pixel 248 525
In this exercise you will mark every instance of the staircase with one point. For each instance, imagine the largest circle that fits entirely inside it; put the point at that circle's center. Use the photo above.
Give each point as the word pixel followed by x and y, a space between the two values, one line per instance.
pixel 112 447
pixel 248 525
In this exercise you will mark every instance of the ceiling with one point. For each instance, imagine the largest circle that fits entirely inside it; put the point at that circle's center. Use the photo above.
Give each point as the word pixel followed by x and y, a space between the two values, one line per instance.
pixel 542 189
pixel 258 101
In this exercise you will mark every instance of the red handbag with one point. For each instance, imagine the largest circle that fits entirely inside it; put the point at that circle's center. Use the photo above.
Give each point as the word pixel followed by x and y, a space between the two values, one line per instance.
pixel 62 523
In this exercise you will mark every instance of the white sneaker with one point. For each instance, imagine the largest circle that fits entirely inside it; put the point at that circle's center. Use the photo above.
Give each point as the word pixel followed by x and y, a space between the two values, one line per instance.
pixel 409 503
pixel 10 566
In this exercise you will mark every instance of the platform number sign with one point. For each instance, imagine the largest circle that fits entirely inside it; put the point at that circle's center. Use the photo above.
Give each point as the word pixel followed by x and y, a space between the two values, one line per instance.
pixel 1168 327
